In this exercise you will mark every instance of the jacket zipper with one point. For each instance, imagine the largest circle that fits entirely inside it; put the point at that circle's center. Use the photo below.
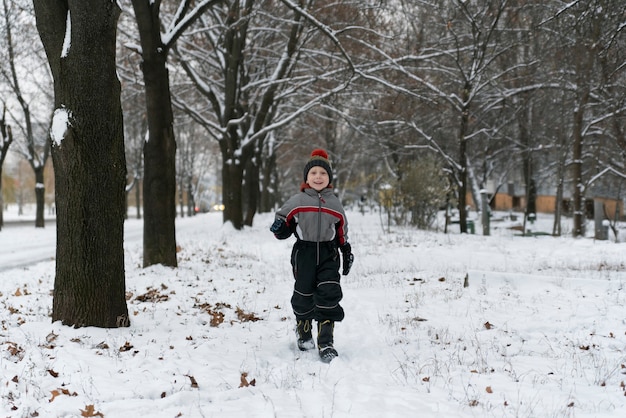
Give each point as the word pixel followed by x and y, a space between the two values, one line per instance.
pixel 319 226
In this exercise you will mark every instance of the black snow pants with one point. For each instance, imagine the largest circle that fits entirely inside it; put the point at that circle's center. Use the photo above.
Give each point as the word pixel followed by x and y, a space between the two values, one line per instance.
pixel 317 292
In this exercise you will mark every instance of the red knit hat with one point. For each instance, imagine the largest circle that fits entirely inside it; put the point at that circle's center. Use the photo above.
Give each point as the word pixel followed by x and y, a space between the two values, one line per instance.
pixel 319 158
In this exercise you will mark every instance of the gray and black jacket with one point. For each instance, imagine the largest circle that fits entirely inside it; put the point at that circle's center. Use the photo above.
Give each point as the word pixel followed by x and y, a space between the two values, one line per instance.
pixel 316 216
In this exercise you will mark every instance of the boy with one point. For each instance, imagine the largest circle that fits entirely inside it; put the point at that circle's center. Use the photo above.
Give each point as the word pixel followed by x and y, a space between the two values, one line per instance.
pixel 317 218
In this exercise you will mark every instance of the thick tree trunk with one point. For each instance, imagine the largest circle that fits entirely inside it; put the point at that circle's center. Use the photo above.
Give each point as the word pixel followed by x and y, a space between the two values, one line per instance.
pixel 251 191
pixel 268 184
pixel 232 196
pixel 159 179
pixel 89 162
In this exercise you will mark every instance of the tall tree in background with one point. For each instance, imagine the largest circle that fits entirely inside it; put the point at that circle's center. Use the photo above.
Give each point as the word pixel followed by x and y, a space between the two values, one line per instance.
pixel 159 179
pixel 257 66
pixel 593 40
pixel 89 163
pixel 33 143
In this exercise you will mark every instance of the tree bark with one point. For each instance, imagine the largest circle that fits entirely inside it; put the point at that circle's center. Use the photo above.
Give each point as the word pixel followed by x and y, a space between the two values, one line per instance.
pixel 40 197
pixel 89 162
pixel 232 193
pixel 463 160
pixel 251 187
pixel 159 179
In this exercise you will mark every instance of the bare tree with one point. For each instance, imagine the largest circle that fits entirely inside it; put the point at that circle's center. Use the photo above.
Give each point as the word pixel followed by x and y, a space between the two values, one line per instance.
pixel 255 68
pixel 89 163
pixel 34 146
pixel 592 39
pixel 159 180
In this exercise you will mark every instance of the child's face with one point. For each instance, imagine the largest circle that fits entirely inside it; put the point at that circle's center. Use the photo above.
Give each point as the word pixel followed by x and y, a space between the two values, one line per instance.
pixel 317 178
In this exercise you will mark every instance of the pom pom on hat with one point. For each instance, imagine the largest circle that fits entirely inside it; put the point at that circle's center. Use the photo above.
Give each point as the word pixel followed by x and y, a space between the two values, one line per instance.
pixel 319 158
pixel 318 152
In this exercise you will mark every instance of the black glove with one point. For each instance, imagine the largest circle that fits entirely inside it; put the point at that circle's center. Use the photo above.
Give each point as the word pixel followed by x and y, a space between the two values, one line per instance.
pixel 280 229
pixel 347 257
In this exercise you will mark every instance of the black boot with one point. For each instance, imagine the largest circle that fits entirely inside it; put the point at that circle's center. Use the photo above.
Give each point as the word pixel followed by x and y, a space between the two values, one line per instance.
pixel 325 340
pixel 305 337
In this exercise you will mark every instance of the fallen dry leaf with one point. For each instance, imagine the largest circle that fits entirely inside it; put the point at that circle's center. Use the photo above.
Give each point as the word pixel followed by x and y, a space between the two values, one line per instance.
pixel 246 317
pixel 126 347
pixel 244 381
pixel 61 391
pixel 89 411
pixel 194 383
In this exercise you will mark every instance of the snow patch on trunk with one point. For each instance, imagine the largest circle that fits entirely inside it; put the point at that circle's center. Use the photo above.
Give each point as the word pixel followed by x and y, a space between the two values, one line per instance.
pixel 67 41
pixel 60 124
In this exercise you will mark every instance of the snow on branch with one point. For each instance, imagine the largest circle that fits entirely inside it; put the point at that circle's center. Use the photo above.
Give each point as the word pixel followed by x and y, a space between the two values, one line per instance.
pixel 182 20
pixel 603 172
pixel 329 32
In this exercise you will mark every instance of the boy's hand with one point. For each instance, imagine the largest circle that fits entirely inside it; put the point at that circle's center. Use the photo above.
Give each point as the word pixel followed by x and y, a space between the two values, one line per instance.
pixel 280 229
pixel 347 257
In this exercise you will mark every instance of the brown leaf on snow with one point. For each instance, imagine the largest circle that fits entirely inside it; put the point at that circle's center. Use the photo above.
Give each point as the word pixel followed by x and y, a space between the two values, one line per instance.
pixel 53 373
pixel 488 389
pixel 217 318
pixel 152 295
pixel 89 411
pixel 61 391
pixel 102 346
pixel 246 317
pixel 18 292
pixel 244 381
pixel 488 325
pixel 15 350
pixel 194 383
pixel 126 347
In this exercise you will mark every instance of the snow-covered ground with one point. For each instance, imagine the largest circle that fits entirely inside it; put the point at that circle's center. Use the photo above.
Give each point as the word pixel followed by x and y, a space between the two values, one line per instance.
pixel 538 332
